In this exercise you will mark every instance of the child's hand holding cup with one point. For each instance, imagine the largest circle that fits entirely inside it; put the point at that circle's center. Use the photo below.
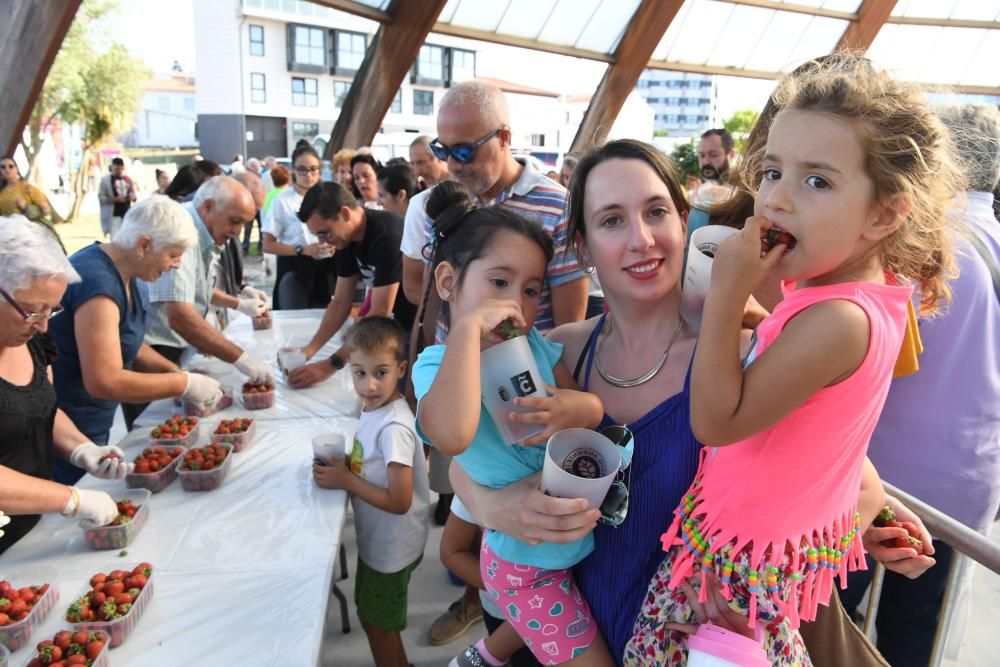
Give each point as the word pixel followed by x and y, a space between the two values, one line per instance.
pixel 329 447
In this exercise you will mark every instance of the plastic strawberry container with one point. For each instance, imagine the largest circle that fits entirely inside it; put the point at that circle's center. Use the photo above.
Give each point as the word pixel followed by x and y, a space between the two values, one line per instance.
pixel 102 659
pixel 258 400
pixel 206 480
pixel 192 409
pixel 154 482
pixel 119 537
pixel 120 628
pixel 239 441
pixel 263 322
pixel 184 441
pixel 16 635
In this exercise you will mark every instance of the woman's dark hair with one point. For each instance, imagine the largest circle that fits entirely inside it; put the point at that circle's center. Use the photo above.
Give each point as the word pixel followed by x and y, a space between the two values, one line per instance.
pixel 326 199
pixel 279 176
pixel 303 147
pixel 398 177
pixel 464 233
pixel 622 149
pixel 190 177
pixel 397 160
pixel 158 172
pixel 3 181
pixel 367 158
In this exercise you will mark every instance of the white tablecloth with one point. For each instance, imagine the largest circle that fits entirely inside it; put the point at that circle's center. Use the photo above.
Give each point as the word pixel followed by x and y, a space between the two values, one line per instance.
pixel 243 572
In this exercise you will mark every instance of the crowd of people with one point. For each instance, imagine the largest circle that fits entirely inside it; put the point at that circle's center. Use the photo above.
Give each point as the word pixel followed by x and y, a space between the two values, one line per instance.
pixel 859 287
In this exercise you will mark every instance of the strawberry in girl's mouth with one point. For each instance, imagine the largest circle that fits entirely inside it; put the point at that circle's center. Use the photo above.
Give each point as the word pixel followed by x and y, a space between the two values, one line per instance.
pixel 776 236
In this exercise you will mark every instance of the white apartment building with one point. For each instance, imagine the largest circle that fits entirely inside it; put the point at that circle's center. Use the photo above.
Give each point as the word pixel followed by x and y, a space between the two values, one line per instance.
pixel 683 104
pixel 271 72
pixel 166 117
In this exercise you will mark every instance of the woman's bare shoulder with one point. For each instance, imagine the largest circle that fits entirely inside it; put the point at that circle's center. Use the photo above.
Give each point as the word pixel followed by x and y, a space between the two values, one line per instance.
pixel 572 337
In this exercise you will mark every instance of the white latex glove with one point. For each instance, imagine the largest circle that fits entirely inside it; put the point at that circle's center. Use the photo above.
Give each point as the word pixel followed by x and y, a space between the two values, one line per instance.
pixel 201 389
pixel 88 456
pixel 96 508
pixel 257 371
pixel 251 307
pixel 4 520
pixel 254 293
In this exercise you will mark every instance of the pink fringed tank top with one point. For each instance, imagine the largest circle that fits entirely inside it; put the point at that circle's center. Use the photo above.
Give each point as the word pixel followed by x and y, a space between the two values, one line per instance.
pixel 786 497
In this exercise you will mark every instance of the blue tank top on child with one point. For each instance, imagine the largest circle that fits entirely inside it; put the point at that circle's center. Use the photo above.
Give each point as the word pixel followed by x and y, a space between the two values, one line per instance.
pixel 100 277
pixel 614 578
pixel 490 462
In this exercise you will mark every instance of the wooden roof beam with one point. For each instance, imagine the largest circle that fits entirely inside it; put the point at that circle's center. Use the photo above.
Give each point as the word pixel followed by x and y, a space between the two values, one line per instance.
pixel 30 37
pixel 643 33
pixel 390 54
pixel 859 35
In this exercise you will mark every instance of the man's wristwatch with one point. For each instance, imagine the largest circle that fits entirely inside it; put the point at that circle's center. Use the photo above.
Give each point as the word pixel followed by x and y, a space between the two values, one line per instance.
pixel 298 250
pixel 336 361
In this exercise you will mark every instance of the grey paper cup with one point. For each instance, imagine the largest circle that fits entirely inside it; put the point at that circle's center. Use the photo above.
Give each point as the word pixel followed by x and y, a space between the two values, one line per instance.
pixel 508 370
pixel 580 463
pixel 698 273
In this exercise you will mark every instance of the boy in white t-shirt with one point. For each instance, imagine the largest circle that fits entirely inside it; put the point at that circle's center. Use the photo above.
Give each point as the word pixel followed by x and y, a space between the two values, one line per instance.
pixel 387 480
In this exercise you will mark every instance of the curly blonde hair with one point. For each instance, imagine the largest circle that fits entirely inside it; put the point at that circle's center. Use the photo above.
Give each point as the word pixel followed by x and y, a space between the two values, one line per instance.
pixel 907 150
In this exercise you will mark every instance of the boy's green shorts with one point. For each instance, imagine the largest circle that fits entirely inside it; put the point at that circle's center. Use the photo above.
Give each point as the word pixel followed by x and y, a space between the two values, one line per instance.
pixel 381 598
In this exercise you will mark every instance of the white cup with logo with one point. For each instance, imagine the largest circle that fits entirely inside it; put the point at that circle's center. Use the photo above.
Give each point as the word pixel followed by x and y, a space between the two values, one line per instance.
pixel 508 370
pixel 580 463
pixel 704 244
pixel 329 446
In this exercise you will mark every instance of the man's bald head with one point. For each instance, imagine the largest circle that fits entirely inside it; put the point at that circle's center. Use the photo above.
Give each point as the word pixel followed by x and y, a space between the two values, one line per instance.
pixel 224 205
pixel 486 100
pixel 254 186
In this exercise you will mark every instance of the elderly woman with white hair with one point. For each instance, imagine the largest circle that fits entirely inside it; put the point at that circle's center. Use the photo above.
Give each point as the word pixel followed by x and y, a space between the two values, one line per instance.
pixel 103 360
pixel 34 274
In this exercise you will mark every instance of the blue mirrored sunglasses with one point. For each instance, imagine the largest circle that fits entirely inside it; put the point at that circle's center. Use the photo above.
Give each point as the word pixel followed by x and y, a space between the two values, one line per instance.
pixel 461 153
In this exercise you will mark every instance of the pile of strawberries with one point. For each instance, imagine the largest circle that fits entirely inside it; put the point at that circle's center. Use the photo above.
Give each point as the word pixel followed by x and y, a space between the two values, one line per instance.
pixel 69 648
pixel 111 596
pixel 258 396
pixel 155 459
pixel 238 425
pixel 17 603
pixel 204 458
pixel 887 519
pixel 175 428
pixel 126 512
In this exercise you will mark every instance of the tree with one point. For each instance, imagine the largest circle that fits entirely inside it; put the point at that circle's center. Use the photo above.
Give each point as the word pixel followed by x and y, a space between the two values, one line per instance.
pixel 685 159
pixel 739 125
pixel 97 90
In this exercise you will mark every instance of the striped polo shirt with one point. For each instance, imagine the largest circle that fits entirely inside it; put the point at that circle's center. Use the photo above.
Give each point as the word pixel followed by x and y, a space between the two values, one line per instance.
pixel 534 196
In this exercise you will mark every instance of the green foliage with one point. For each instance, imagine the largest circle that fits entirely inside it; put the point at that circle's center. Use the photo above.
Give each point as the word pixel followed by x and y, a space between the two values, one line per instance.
pixel 685 159
pixel 739 125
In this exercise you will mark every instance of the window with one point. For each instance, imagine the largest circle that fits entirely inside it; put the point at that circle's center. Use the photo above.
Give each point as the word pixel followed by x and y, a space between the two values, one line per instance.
pixel 643 83
pixel 682 118
pixel 306 49
pixel 423 102
pixel 340 89
pixel 463 66
pixel 304 130
pixel 349 52
pixel 258 88
pixel 429 68
pixel 397 102
pixel 256 40
pixel 164 103
pixel 685 102
pixel 538 140
pixel 304 92
pixel 189 104
pixel 706 84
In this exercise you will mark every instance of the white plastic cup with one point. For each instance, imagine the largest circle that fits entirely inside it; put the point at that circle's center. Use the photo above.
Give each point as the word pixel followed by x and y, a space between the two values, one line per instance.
pixel 329 446
pixel 290 358
pixel 712 646
pixel 698 275
pixel 508 370
pixel 325 251
pixel 580 463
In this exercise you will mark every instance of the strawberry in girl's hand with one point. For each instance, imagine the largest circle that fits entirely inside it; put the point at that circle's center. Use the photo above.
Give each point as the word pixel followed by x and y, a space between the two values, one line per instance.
pixel 509 330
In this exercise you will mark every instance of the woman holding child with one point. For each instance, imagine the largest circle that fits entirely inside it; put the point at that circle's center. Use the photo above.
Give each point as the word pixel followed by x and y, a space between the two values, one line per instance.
pixel 628 213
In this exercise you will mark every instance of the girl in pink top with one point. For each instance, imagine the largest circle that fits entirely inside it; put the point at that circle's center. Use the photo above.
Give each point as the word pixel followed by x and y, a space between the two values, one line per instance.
pixel 849 214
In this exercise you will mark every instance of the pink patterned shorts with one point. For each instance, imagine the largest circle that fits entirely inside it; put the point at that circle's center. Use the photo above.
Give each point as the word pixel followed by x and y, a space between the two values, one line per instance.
pixel 544 606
